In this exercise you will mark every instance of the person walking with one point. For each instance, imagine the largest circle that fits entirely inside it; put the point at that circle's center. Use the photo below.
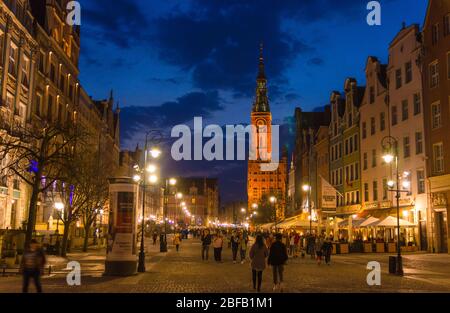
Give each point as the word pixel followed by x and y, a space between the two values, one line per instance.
pixel 258 254
pixel 177 241
pixel 291 245
pixel 318 249
pixel 296 244
pixel 327 248
pixel 243 242
pixel 277 258
pixel 206 242
pixel 234 245
pixel 218 244
pixel 154 237
pixel 32 266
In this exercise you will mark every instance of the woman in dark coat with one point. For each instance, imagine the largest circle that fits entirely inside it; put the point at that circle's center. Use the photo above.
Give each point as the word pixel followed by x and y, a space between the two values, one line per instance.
pixel 258 255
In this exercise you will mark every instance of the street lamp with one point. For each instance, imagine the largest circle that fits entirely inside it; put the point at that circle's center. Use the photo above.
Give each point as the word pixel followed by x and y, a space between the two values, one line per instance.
pixel 163 237
pixel 155 153
pixel 59 206
pixel 389 145
pixel 307 189
pixel 273 200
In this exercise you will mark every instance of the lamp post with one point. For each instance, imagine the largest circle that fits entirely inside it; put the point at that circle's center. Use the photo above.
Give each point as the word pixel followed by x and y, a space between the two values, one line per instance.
pixel 178 196
pixel 163 237
pixel 273 200
pixel 307 190
pixel 155 153
pixel 390 147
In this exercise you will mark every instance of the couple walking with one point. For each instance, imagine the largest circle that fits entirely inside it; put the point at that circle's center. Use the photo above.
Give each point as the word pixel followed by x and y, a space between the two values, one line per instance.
pixel 276 257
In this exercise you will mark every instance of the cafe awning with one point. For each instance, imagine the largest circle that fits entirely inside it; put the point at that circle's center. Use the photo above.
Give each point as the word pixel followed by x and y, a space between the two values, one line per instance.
pixel 369 221
pixel 391 221
pixel 355 223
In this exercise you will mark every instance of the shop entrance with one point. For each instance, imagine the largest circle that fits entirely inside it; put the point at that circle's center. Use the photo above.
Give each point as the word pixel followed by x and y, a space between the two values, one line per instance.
pixel 441 230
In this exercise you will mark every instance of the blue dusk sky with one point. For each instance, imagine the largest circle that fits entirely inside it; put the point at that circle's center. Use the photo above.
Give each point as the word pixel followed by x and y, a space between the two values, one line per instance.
pixel 168 61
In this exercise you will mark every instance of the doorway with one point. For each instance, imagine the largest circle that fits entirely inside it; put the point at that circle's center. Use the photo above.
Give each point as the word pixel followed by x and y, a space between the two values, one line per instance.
pixel 441 231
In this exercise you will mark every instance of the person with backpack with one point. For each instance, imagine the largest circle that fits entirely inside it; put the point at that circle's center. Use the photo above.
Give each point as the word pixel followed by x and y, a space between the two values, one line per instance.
pixel 277 258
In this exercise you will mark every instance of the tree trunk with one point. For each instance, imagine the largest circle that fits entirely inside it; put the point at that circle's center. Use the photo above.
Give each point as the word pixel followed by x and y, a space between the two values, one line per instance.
pixel 65 239
pixel 32 209
pixel 86 238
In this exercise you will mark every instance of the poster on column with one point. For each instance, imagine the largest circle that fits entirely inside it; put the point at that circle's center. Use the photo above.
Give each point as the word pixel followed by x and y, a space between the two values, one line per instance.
pixel 123 234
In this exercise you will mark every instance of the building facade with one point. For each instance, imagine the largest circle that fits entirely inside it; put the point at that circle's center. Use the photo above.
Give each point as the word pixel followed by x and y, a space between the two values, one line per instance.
pixel 436 112
pixel 263 184
pixel 405 106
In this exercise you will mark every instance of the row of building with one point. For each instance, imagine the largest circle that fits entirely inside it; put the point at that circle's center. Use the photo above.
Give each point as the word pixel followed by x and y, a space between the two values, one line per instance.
pixel 39 57
pixel 407 99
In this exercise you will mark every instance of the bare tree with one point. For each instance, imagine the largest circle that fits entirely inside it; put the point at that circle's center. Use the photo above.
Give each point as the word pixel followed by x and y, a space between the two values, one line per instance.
pixel 39 155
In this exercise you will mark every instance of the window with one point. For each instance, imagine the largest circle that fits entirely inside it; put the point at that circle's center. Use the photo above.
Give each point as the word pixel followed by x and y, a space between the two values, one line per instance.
pixel 12 69
pixel 375 190
pixel 350 120
pixel 42 62
pixel 52 72
pixel 22 111
pixel 436 121
pixel 382 121
pixel 417 104
pixel 447 25
pixel 405 110
pixel 38 104
pixel 351 144
pixel 398 78
pixel 435 34
pixel 9 100
pixel 448 65
pixel 372 94
pixel 365 161
pixel 385 189
pixel 340 150
pixel 356 171
pixel 372 126
pixel 438 157
pixel 419 143
pixel 364 130
pixel 420 181
pixel 341 174
pixel 434 74
pixel 346 147
pixel 406 148
pixel 408 72
pixel 374 158
pixel 50 108
pixel 62 80
pixel 355 138
pixel 26 71
pixel 366 192
pixel 394 115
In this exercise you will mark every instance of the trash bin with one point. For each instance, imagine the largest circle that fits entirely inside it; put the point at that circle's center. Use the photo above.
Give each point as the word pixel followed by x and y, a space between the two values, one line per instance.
pixel 392 264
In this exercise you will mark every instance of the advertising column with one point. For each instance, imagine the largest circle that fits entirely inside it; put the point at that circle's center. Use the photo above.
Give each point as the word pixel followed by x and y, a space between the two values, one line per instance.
pixel 121 258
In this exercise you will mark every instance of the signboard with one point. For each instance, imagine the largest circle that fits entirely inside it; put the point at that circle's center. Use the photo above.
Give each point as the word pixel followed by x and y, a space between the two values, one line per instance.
pixel 329 195
pixel 125 205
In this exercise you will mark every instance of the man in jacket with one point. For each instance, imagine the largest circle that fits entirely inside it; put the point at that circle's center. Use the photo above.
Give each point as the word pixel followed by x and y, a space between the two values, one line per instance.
pixel 277 258
pixel 206 242
pixel 32 266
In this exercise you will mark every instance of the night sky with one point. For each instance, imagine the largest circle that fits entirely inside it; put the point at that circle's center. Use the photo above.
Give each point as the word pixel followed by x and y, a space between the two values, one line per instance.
pixel 168 61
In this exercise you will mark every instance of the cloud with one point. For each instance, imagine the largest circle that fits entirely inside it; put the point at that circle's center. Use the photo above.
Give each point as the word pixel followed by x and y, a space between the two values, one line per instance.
pixel 315 61
pixel 136 119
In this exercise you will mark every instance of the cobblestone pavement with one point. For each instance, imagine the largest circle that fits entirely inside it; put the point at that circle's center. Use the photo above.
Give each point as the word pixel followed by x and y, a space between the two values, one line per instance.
pixel 184 271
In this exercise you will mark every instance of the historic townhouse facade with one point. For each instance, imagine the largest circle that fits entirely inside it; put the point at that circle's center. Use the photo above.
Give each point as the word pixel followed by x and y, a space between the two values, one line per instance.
pixel 436 108
pixel 337 146
pixel 18 55
pixel 322 160
pixel 374 117
pixel 39 56
pixel 405 103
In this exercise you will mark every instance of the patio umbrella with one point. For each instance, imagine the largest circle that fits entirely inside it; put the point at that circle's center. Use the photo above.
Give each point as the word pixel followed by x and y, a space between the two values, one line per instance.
pixel 369 221
pixel 391 221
